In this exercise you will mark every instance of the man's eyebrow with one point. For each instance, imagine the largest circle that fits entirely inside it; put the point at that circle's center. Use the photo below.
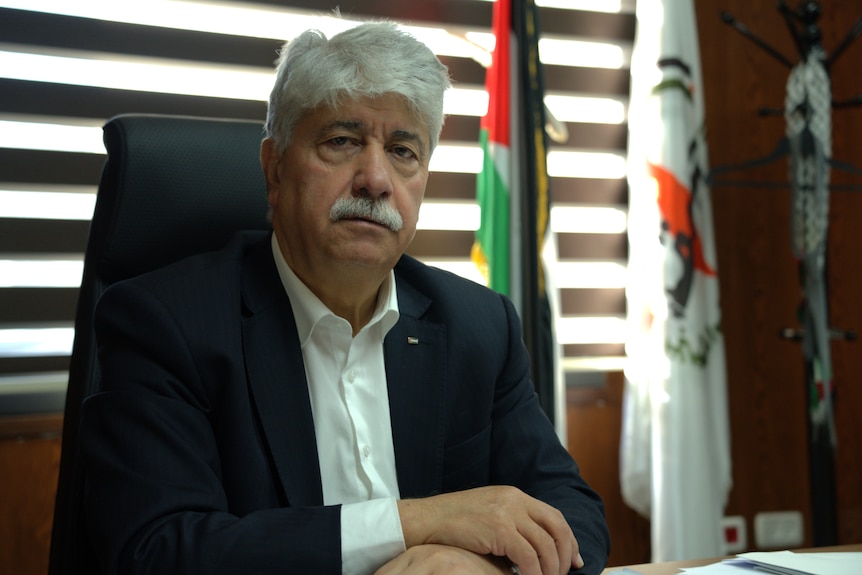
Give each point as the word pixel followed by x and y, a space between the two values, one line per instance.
pixel 352 125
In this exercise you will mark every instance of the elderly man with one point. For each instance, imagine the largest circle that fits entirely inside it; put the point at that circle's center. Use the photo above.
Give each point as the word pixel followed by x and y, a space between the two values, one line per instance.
pixel 313 400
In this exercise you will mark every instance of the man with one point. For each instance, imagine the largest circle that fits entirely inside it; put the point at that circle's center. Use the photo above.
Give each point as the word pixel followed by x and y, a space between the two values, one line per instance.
pixel 312 400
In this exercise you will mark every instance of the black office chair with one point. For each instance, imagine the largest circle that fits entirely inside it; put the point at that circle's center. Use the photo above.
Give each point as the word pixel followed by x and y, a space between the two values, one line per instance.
pixel 172 186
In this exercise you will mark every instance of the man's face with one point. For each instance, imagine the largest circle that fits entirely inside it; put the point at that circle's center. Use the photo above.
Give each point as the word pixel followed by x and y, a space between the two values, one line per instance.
pixel 373 149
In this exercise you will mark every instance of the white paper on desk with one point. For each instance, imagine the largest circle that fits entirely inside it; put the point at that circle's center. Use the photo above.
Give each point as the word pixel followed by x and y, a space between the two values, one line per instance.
pixel 787 562
pixel 784 563
pixel 722 568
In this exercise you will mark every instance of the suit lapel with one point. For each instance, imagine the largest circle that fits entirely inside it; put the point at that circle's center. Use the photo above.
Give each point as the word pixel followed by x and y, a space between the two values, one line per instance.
pixel 415 353
pixel 276 375
pixel 415 357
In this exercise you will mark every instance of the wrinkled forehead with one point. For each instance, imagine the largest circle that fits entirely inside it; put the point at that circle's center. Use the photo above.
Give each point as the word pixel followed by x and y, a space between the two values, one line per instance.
pixel 390 112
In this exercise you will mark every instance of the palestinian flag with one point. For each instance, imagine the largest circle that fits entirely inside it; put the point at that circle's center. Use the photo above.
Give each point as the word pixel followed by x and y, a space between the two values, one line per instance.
pixel 491 251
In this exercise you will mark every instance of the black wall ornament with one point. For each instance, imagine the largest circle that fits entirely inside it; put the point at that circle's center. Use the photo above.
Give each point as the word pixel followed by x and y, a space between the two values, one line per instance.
pixel 807 147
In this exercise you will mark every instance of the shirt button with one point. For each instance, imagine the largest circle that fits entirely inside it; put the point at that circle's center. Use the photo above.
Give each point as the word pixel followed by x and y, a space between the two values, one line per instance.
pixel 351 376
pixel 366 451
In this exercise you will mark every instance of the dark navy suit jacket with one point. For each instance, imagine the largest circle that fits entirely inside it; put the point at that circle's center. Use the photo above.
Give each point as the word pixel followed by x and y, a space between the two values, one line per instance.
pixel 200 450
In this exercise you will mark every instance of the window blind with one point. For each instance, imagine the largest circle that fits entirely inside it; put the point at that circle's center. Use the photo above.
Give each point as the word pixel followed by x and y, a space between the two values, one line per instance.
pixel 66 69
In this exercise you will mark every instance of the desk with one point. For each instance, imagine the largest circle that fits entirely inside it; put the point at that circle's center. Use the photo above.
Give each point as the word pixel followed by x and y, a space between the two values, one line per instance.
pixel 672 567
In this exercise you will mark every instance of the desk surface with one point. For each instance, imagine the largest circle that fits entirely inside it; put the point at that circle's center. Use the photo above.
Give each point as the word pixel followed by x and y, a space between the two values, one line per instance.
pixel 673 567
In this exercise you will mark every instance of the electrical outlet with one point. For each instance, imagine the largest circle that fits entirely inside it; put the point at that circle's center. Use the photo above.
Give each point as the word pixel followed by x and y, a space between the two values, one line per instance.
pixel 735 534
pixel 778 530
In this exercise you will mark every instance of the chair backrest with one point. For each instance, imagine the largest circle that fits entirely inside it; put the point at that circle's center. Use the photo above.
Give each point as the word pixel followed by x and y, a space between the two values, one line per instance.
pixel 172 186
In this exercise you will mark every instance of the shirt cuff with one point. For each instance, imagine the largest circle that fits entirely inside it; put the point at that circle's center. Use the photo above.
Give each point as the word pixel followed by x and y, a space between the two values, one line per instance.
pixel 371 535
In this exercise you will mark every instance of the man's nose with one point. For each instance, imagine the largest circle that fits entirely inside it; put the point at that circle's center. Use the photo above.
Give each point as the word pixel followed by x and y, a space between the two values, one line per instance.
pixel 372 176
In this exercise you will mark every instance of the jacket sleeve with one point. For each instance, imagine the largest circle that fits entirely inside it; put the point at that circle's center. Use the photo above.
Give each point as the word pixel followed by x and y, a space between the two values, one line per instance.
pixel 527 453
pixel 177 481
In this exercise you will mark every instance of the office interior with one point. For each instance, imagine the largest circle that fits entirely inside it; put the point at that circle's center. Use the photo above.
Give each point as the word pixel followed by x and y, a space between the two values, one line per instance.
pixel 759 281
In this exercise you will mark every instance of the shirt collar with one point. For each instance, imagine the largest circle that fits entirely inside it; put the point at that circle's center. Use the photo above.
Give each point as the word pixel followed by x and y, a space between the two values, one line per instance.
pixel 308 310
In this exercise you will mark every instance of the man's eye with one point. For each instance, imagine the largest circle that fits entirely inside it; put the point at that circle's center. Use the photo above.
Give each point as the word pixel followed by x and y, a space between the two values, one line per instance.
pixel 403 152
pixel 339 141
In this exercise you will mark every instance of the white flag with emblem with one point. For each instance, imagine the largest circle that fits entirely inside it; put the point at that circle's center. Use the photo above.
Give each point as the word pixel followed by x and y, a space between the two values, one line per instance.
pixel 675 451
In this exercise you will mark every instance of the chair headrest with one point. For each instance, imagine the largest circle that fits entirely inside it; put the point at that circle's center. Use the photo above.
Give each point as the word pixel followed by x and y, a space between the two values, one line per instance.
pixel 173 186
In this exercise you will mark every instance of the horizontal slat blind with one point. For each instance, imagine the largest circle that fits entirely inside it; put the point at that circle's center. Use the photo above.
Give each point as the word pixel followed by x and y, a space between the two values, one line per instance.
pixel 590 264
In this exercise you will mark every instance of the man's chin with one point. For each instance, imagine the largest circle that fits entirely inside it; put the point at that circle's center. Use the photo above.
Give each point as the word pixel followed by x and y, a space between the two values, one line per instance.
pixel 364 256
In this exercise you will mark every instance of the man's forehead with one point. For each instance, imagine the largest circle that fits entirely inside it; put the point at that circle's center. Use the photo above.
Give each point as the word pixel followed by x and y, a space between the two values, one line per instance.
pixel 388 110
pixel 365 117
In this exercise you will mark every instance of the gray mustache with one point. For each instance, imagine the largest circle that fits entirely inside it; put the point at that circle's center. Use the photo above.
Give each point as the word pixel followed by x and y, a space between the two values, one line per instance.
pixel 377 210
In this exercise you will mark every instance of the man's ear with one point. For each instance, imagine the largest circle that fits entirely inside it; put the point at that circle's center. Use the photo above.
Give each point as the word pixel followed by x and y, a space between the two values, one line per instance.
pixel 269 161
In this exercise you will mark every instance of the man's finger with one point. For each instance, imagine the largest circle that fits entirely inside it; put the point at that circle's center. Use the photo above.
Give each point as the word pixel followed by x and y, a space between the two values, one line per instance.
pixel 566 550
pixel 545 548
pixel 565 546
pixel 522 553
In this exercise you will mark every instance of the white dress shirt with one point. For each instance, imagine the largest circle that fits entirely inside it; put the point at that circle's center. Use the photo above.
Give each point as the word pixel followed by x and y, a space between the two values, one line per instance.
pixel 350 405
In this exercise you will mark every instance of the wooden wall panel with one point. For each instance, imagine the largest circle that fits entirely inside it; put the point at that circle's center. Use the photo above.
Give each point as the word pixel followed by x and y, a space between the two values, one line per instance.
pixel 29 464
pixel 845 275
pixel 594 422
pixel 759 284
pixel 846 312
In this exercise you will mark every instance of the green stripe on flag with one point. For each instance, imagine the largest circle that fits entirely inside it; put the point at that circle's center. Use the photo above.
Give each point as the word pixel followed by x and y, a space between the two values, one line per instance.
pixel 491 249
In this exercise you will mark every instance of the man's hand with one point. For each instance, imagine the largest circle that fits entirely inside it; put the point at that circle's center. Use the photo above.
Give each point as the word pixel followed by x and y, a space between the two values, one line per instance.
pixel 495 521
pixel 442 560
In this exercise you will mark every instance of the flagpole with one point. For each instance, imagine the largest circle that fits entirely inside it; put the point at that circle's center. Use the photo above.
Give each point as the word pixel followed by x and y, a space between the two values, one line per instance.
pixel 534 206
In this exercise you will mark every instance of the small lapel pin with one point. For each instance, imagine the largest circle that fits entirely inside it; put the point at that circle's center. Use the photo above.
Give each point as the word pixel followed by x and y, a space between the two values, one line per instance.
pixel 412 340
